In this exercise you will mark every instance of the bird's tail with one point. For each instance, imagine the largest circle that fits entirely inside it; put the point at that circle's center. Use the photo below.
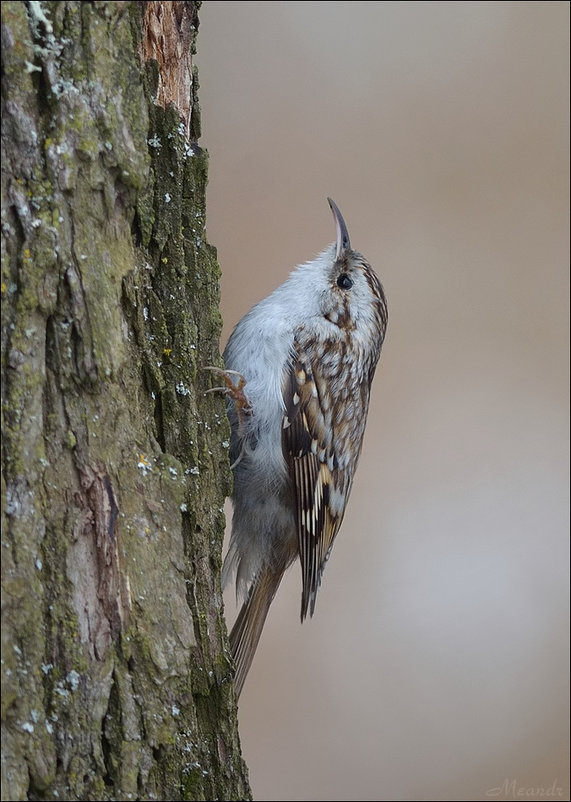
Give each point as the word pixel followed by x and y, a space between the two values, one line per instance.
pixel 250 622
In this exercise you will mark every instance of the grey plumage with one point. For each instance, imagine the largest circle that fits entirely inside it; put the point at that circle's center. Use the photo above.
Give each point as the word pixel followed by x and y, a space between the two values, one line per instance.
pixel 307 354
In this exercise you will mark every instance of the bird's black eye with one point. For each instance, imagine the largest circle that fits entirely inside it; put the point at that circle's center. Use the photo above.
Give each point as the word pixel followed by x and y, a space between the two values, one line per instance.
pixel 344 281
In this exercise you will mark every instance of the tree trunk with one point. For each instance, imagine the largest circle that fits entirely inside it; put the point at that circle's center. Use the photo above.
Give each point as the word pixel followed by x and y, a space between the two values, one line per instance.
pixel 116 675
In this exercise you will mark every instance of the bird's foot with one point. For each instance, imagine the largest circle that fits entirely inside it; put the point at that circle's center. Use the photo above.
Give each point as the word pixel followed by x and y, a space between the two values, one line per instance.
pixel 233 389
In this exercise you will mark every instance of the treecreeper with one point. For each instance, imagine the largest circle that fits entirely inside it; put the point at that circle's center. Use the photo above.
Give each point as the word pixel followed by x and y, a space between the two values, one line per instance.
pixel 299 367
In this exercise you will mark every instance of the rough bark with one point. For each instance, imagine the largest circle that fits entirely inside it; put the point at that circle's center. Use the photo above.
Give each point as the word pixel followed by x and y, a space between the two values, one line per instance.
pixel 116 677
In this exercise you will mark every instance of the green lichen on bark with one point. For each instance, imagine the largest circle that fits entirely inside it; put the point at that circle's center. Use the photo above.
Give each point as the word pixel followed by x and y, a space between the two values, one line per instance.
pixel 116 682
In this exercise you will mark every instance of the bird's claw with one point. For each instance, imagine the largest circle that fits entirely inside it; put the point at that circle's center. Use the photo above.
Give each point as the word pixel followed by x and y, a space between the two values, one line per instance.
pixel 234 390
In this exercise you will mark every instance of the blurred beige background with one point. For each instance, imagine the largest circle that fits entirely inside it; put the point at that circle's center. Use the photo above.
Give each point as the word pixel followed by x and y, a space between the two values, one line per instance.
pixel 436 666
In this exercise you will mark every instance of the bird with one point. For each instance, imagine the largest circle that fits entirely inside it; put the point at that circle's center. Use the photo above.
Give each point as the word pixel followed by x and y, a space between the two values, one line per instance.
pixel 298 373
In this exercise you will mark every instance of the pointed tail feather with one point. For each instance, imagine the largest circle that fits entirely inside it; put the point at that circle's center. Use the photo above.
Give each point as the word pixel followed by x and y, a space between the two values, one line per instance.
pixel 250 622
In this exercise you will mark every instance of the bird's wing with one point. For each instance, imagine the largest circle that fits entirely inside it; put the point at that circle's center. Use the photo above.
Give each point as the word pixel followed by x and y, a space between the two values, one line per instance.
pixel 320 487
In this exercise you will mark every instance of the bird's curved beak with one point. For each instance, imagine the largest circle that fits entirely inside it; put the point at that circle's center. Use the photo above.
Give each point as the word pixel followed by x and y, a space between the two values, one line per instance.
pixel 342 235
